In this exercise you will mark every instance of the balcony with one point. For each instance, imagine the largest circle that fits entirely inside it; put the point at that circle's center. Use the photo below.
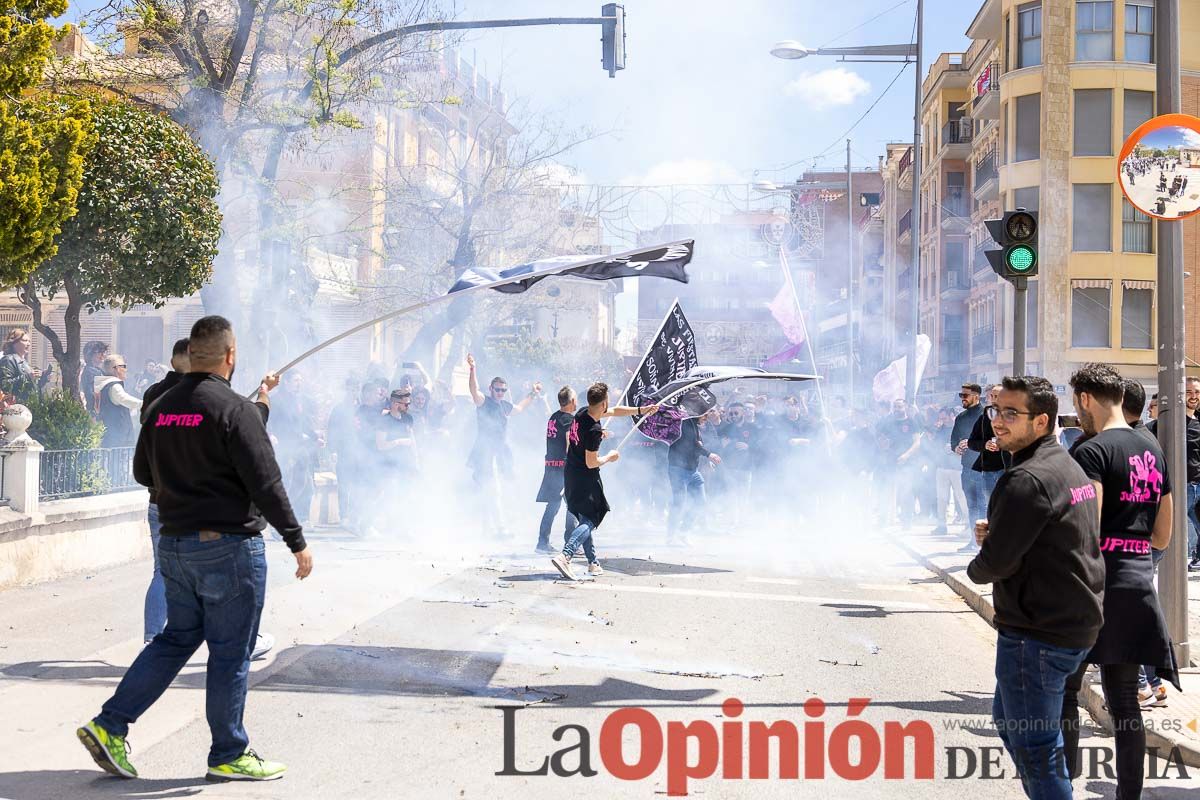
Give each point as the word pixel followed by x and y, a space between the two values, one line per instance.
pixel 983 342
pixel 956 137
pixel 954 281
pixel 953 352
pixel 985 93
pixel 956 209
pixel 904 176
pixel 987 177
pixel 904 228
pixel 980 264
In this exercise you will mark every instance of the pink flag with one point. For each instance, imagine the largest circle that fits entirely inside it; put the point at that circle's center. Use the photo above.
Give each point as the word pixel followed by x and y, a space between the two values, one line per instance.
pixel 783 356
pixel 785 311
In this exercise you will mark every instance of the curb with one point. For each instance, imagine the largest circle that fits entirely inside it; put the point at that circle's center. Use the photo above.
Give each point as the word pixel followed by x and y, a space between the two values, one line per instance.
pixel 1090 698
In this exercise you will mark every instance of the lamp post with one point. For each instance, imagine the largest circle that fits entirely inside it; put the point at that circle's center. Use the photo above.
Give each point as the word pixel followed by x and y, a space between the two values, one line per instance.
pixel 889 54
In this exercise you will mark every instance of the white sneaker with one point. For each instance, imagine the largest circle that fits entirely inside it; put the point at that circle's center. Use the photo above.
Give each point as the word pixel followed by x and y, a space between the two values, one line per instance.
pixel 564 567
pixel 262 646
pixel 595 569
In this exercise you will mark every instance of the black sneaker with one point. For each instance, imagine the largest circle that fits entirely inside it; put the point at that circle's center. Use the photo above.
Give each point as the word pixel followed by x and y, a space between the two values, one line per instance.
pixel 1194 565
pixel 545 549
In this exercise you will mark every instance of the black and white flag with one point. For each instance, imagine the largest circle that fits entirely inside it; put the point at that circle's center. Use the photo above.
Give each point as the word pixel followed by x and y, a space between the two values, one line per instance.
pixel 672 352
pixel 660 261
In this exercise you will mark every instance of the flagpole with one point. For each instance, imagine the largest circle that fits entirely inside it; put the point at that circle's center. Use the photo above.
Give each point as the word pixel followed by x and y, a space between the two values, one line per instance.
pixel 714 379
pixel 787 276
pixel 462 292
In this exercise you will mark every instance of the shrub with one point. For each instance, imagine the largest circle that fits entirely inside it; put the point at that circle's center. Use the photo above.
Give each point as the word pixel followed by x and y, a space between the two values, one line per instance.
pixel 62 424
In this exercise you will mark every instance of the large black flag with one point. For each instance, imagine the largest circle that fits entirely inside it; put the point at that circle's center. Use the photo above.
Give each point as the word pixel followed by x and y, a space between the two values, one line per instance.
pixel 671 354
pixel 659 261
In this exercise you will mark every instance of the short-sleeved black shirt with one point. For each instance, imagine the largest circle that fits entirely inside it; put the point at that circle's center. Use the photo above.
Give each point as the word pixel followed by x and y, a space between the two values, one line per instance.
pixel 557 429
pixel 396 428
pixel 583 489
pixel 1131 468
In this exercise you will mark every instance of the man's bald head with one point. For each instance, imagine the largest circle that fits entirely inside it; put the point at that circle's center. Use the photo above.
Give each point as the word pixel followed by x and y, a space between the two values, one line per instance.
pixel 211 345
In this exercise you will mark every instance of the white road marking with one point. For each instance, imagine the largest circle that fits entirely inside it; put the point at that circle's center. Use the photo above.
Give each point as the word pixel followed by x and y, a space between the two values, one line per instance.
pixel 782 598
pixel 875 587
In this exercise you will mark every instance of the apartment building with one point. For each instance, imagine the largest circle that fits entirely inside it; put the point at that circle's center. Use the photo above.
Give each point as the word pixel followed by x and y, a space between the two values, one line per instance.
pixel 1051 88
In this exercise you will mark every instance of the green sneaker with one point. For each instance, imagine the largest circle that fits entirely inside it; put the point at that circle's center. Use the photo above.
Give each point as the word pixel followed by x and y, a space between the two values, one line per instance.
pixel 247 767
pixel 111 753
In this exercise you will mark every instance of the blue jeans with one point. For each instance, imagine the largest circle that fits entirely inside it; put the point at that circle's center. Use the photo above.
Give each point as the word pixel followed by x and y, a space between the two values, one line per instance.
pixel 685 482
pixel 215 592
pixel 977 498
pixel 1193 494
pixel 990 479
pixel 154 616
pixel 582 535
pixel 1031 677
pixel 548 522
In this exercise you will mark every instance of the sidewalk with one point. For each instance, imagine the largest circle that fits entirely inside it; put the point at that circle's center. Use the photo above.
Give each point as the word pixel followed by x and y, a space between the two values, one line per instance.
pixel 1177 725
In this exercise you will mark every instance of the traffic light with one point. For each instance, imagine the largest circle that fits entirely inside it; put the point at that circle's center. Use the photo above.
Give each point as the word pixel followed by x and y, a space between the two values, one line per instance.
pixel 613 38
pixel 1016 233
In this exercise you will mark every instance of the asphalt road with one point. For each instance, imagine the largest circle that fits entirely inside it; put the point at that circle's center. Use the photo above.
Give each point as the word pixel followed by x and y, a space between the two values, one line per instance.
pixel 392 663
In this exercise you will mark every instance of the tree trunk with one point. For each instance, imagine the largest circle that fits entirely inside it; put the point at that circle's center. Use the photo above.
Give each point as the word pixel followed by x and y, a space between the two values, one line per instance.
pixel 67 357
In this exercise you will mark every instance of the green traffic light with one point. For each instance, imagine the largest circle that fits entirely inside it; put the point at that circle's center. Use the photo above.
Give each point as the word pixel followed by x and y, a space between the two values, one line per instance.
pixel 1021 258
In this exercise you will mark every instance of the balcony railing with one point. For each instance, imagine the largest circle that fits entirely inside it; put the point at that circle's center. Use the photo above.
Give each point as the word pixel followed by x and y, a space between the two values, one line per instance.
pixel 958 131
pixel 953 351
pixel 985 168
pixel 78 473
pixel 905 224
pixel 906 162
pixel 988 80
pixel 956 203
pixel 983 342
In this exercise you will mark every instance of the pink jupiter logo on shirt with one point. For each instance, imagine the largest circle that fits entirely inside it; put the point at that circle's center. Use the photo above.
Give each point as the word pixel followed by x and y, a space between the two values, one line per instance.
pixel 1145 481
pixel 178 420
pixel 1081 493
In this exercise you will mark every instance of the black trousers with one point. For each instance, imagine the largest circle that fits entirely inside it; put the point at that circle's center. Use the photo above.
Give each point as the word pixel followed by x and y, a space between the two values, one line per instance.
pixel 1120 683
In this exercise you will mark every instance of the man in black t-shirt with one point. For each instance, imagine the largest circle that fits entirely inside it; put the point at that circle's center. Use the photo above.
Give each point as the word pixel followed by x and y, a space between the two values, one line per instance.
pixel 1125 469
pixel 550 492
pixel 490 456
pixel 687 484
pixel 583 489
pixel 742 444
pixel 899 438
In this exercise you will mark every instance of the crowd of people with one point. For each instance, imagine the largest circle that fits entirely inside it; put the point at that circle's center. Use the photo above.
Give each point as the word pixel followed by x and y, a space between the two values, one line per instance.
pixel 1069 516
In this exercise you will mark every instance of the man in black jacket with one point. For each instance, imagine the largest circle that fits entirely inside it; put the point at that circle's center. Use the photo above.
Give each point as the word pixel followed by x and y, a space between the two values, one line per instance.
pixel 992 459
pixel 683 471
pixel 1041 549
pixel 960 435
pixel 204 450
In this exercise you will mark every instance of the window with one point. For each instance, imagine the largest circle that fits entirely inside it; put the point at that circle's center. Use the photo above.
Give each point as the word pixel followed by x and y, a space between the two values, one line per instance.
pixel 1137 300
pixel 1028 128
pixel 1090 313
pixel 1091 218
pixel 955 256
pixel 1139 31
pixel 1029 35
pixel 1093 30
pixel 1139 107
pixel 1137 232
pixel 1093 122
pixel 1007 44
pixel 1026 197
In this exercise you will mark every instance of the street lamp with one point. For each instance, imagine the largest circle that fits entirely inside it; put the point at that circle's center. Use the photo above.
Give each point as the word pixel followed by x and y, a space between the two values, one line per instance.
pixel 791 49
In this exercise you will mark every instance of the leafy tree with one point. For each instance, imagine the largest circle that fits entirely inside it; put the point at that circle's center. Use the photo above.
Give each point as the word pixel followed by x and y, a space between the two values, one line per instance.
pixel 146 229
pixel 42 142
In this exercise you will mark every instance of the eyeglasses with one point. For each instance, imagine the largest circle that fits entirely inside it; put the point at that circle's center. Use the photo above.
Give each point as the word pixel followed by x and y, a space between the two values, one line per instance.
pixel 121 366
pixel 1010 415
pixel 499 390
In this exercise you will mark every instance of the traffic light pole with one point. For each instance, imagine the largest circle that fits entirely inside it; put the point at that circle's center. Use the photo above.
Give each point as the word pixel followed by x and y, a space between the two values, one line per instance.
pixel 1020 309
pixel 1172 576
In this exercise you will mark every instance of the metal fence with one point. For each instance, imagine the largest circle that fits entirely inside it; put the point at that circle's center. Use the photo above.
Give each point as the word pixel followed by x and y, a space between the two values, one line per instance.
pixel 79 473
